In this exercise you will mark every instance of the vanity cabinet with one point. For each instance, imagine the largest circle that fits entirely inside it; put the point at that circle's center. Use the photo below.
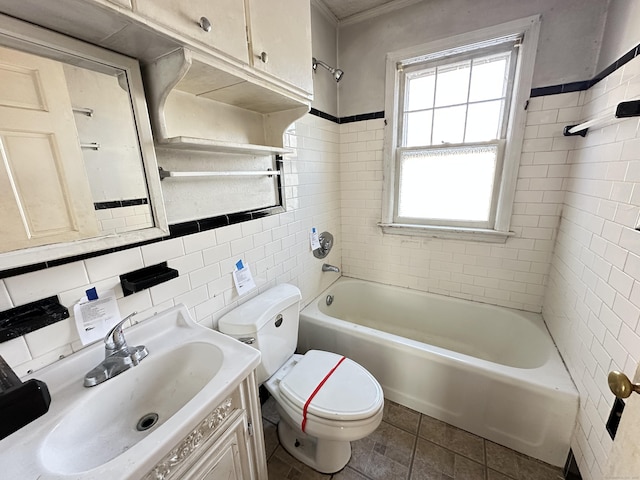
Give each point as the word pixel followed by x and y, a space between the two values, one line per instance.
pixel 228 443
pixel 225 458
pixel 280 40
pixel 218 24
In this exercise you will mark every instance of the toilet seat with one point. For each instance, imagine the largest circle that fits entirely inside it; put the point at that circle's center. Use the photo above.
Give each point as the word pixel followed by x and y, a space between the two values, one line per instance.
pixel 350 393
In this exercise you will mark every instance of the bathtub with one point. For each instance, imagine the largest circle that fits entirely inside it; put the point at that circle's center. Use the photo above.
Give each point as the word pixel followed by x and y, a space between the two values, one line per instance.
pixel 492 371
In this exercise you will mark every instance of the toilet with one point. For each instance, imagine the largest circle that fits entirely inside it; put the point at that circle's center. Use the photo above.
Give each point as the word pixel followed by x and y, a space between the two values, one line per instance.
pixel 325 400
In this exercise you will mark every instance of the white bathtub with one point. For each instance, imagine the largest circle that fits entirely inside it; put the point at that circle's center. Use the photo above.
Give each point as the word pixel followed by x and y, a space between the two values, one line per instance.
pixel 489 370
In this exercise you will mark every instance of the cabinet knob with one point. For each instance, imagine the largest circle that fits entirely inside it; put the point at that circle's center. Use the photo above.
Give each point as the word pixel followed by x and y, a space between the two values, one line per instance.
pixel 205 24
pixel 264 57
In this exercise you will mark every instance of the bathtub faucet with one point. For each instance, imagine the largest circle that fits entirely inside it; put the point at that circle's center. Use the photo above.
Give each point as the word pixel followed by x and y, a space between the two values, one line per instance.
pixel 329 268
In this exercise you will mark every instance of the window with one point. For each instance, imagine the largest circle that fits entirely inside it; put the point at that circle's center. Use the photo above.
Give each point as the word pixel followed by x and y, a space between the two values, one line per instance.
pixel 457 135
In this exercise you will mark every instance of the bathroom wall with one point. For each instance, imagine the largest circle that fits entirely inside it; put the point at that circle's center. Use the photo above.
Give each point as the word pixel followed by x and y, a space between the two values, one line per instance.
pixel 584 192
pixel 568 49
pixel 324 47
pixel 512 274
pixel 276 248
pixel 592 302
pixel 621 34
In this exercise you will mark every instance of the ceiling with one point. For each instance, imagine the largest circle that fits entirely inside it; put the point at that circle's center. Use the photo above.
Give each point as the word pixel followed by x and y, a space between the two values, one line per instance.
pixel 343 9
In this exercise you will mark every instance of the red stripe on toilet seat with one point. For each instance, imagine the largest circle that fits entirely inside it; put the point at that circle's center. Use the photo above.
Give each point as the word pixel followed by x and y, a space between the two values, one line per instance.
pixel 306 405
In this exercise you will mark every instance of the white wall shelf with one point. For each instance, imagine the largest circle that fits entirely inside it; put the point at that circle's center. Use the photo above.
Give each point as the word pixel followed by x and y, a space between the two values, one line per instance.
pixel 197 104
pixel 207 145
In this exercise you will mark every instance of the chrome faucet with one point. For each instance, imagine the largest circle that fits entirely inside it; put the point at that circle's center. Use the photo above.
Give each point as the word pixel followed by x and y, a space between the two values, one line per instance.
pixel 329 268
pixel 118 356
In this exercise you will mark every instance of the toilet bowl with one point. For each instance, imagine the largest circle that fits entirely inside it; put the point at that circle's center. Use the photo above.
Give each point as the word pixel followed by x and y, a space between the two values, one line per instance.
pixel 325 400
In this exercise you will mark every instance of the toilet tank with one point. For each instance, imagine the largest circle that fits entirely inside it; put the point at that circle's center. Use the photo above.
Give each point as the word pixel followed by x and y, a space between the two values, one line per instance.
pixel 270 322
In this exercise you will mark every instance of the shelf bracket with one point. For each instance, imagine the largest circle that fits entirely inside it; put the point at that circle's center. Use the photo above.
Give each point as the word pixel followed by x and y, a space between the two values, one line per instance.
pixel 161 77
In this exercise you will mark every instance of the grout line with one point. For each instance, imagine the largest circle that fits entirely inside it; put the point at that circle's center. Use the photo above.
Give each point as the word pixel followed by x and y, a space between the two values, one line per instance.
pixel 415 447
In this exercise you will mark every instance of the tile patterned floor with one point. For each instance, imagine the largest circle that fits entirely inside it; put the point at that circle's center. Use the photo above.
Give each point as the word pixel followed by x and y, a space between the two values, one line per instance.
pixel 410 446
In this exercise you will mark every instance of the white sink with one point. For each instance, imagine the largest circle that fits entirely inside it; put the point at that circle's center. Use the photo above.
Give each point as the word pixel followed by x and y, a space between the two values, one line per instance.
pixel 121 428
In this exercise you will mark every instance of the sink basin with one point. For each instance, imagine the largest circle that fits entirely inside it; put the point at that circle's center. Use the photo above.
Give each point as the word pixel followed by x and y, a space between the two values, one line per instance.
pixel 121 428
pixel 126 408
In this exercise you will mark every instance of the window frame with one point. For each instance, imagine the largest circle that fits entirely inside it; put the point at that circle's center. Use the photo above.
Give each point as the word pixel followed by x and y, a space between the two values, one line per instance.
pixel 528 28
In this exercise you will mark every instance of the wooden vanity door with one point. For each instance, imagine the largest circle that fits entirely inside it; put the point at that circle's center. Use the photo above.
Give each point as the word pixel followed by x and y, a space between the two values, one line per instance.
pixel 44 192
pixel 227 457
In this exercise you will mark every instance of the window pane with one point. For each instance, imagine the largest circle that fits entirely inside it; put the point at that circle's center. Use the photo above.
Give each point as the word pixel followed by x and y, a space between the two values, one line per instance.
pixel 418 129
pixel 483 121
pixel 448 125
pixel 489 77
pixel 420 91
pixel 447 184
pixel 453 84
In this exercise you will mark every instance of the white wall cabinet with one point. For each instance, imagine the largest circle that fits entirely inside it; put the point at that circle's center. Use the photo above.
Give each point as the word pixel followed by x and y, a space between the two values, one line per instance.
pixel 218 24
pixel 206 90
pixel 198 103
pixel 280 40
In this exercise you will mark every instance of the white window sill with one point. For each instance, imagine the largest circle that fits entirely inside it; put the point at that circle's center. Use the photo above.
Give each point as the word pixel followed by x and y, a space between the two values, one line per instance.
pixel 453 233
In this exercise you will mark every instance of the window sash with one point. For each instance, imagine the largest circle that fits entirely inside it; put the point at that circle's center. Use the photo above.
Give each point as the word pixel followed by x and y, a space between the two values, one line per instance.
pixel 413 70
pixel 498 144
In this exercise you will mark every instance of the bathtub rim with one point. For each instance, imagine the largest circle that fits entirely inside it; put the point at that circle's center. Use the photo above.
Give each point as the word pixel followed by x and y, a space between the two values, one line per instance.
pixel 538 377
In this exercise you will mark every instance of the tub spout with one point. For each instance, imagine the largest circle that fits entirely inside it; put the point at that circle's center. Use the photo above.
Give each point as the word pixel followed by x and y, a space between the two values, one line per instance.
pixel 330 268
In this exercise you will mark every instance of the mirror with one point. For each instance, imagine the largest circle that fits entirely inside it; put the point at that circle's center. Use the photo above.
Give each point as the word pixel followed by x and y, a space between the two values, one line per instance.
pixel 78 171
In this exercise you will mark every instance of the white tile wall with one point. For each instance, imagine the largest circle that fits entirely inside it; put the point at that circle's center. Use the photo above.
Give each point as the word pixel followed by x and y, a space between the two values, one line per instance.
pixel 124 219
pixel 592 303
pixel 584 192
pixel 276 247
pixel 511 274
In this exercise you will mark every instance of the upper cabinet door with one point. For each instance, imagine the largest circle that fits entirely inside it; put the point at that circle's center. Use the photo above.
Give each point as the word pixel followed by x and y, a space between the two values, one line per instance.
pixel 219 24
pixel 280 37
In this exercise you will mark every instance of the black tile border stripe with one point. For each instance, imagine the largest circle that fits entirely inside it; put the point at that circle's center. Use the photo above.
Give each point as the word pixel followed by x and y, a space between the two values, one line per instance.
pixel 557 89
pixel 175 231
pixel 350 119
pixel 362 117
pixel 326 116
pixel 535 92
pixel 586 84
pixel 120 203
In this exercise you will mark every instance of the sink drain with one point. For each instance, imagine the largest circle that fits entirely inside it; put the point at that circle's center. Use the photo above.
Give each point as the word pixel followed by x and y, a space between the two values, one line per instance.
pixel 147 421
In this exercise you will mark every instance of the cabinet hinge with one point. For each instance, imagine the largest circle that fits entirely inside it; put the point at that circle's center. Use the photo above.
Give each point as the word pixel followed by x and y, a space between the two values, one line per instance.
pixel 250 428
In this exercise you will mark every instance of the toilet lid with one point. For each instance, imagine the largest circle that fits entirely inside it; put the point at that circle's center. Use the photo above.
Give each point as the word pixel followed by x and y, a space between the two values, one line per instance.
pixel 350 393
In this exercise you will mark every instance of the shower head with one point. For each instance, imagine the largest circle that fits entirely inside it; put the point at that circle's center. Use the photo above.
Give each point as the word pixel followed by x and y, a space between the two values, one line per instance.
pixel 336 72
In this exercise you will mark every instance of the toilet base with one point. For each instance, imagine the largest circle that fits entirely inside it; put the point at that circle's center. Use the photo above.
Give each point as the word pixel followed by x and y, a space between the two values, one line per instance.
pixel 325 456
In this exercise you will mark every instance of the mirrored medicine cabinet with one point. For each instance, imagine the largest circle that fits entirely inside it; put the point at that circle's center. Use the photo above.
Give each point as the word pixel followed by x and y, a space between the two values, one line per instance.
pixel 78 171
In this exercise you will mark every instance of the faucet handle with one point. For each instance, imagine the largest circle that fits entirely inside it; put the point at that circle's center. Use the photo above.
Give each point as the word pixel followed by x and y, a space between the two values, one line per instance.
pixel 114 340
